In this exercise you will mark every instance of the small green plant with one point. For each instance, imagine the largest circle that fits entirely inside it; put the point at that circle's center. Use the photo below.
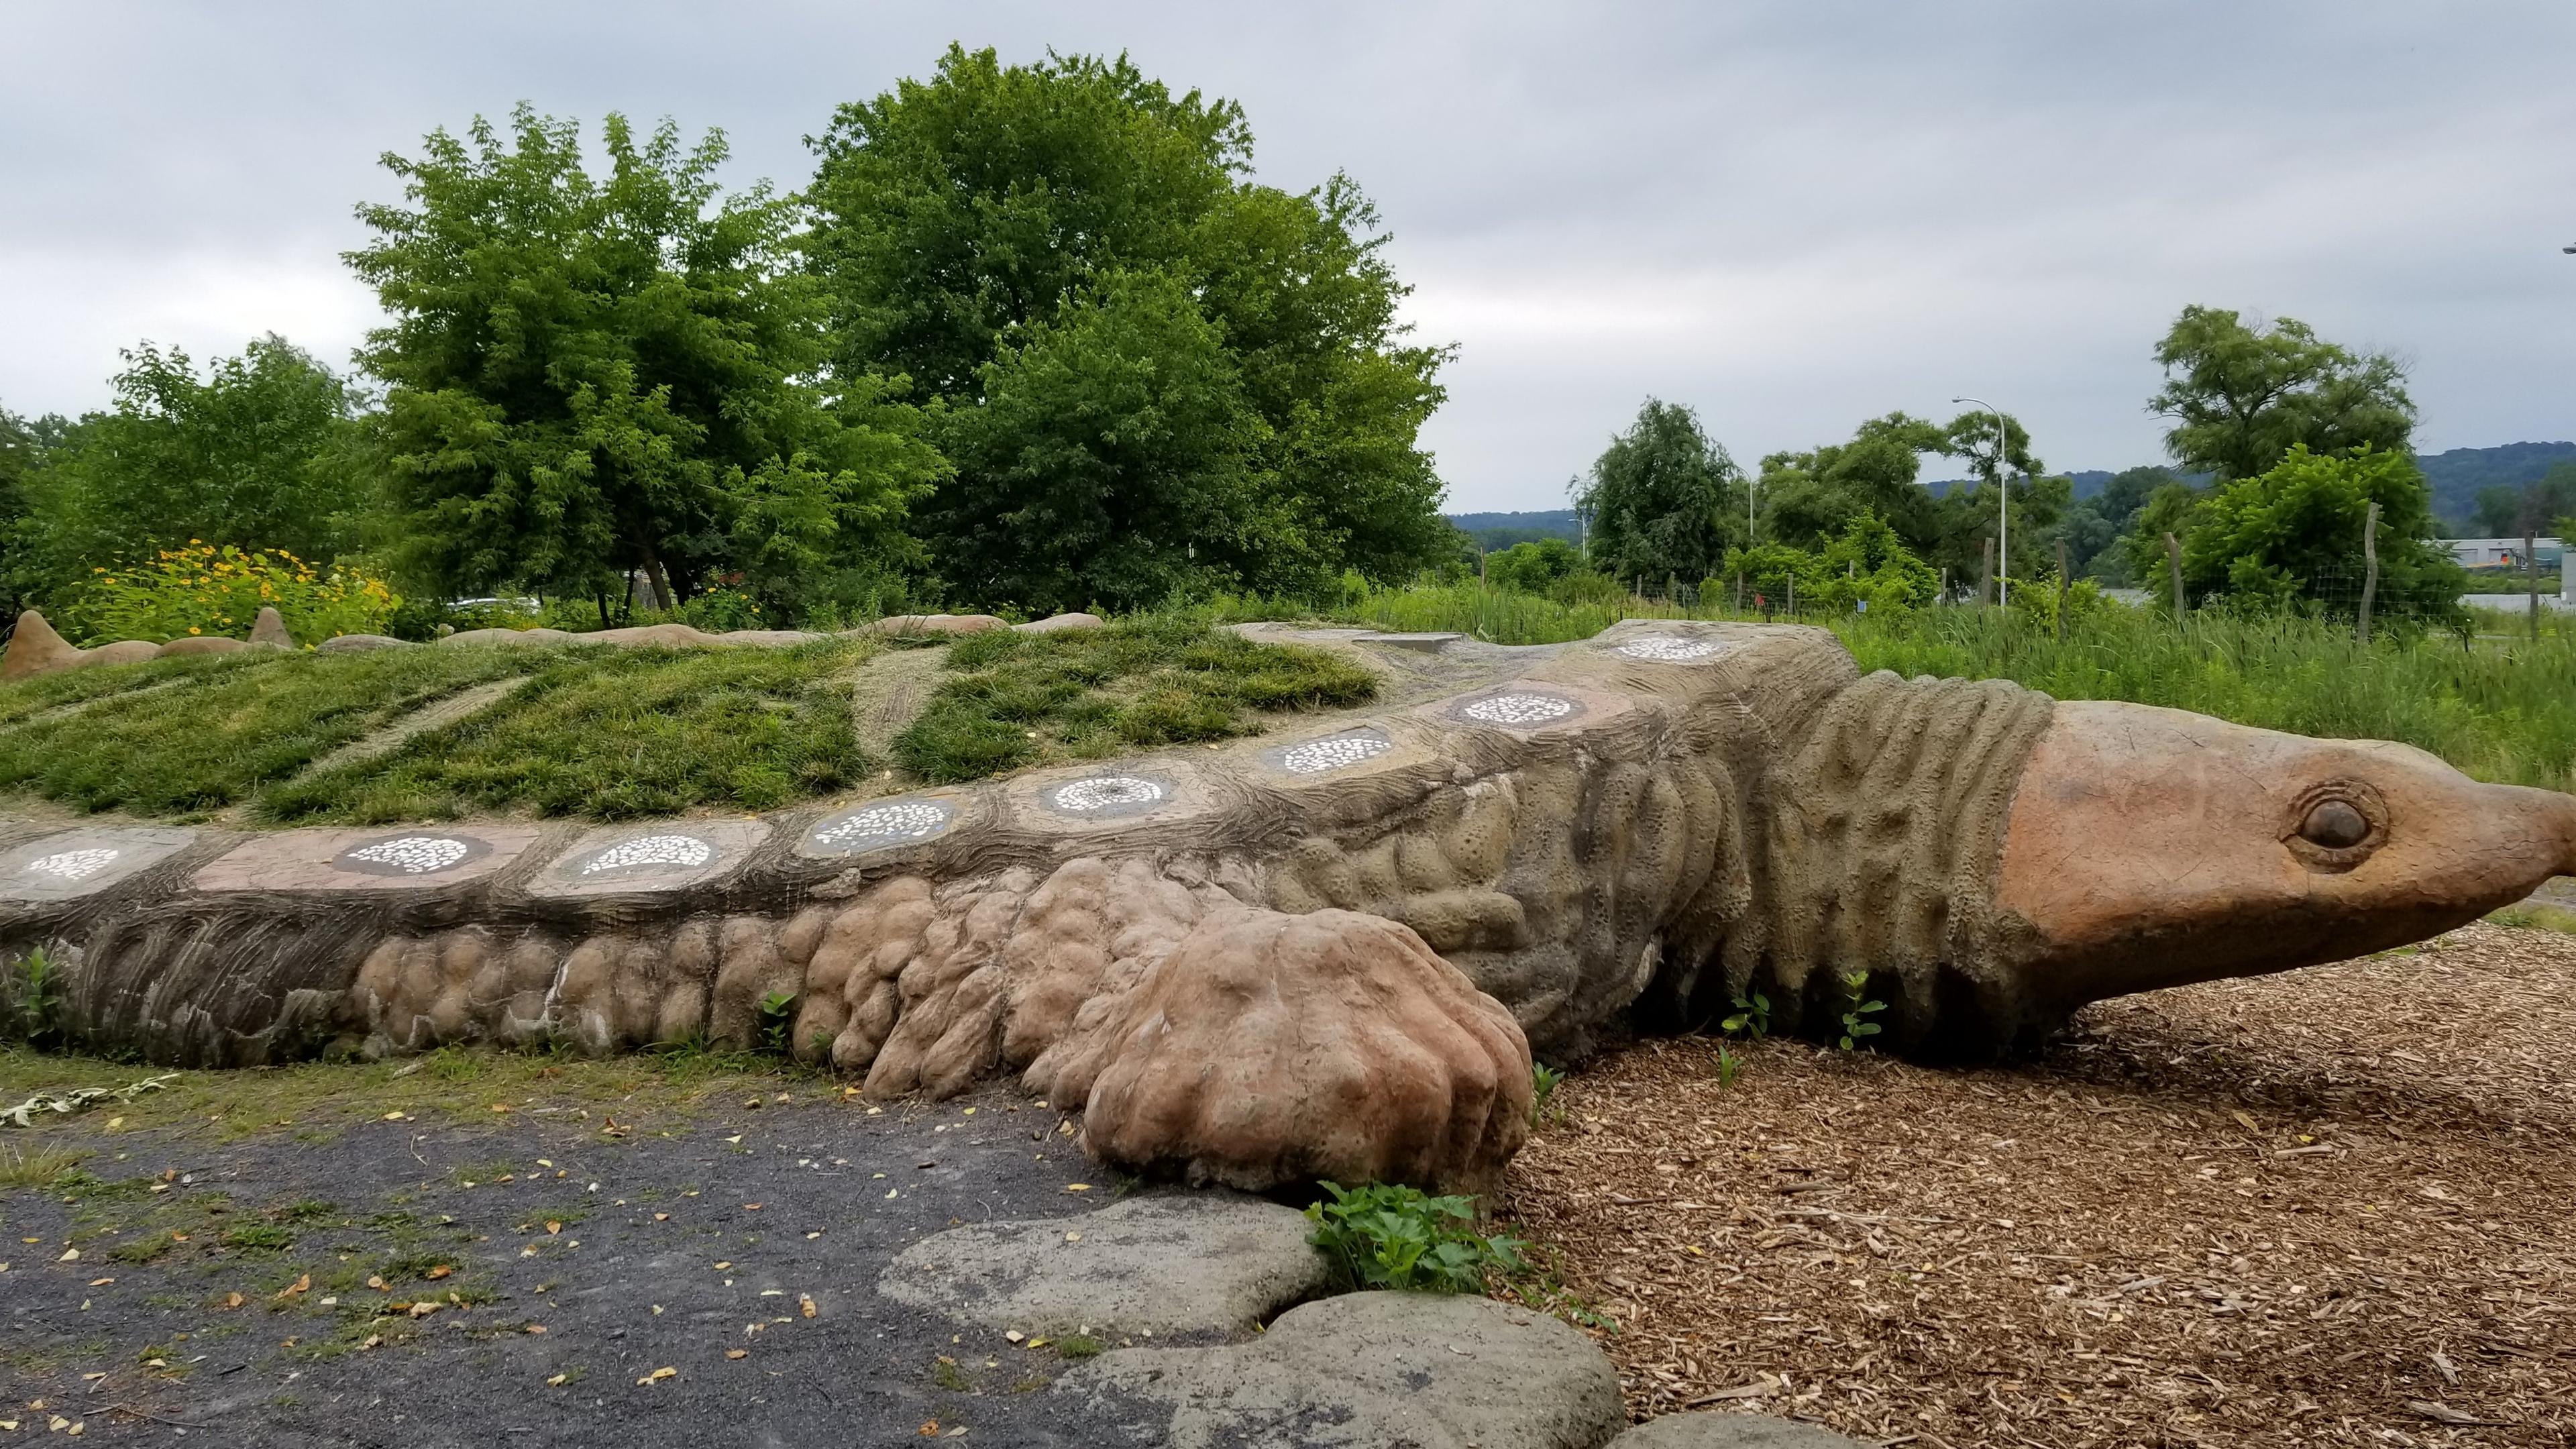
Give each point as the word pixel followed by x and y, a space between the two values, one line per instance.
pixel 1385 1235
pixel 1857 1010
pixel 1752 1016
pixel 1078 1345
pixel 777 1021
pixel 1729 1067
pixel 949 1376
pixel 32 996
pixel 259 1238
pixel 1544 1080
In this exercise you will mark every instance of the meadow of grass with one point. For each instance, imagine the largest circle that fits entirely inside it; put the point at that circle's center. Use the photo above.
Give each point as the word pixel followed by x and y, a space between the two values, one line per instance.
pixel 2496 703
pixel 613 734
pixel 183 737
pixel 1015 699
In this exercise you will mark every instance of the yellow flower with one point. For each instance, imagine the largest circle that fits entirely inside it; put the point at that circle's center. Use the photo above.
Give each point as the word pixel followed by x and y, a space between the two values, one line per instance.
pixel 196 541
pixel 193 629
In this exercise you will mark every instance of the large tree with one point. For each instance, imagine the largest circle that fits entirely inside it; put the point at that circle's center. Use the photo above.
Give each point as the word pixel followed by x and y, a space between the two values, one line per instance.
pixel 2242 394
pixel 2509 510
pixel 588 375
pixel 262 452
pixel 977 229
pixel 2292 535
pixel 1665 502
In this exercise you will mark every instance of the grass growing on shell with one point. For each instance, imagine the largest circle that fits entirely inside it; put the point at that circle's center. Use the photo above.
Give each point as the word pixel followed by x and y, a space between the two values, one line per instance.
pixel 616 734
pixel 1024 699
pixel 2495 707
pixel 216 730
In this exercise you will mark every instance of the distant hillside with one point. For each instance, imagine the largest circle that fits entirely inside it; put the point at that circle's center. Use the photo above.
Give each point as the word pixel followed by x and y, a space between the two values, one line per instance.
pixel 1502 530
pixel 2457 475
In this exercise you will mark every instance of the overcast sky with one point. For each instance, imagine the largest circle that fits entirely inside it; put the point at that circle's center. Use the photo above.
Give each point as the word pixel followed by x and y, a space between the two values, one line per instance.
pixel 1789 216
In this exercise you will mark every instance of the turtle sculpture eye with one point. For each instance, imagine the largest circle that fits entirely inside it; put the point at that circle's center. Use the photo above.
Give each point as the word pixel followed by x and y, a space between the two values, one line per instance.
pixel 2334 824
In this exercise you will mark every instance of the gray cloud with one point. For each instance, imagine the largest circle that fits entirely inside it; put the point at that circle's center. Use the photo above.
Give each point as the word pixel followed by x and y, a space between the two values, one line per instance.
pixel 1791 216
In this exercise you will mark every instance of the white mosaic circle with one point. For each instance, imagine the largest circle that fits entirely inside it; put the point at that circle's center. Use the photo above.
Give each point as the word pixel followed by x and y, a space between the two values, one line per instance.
pixel 1340 752
pixel 413 854
pixel 1669 649
pixel 1518 709
pixel 907 819
pixel 1106 792
pixel 73 864
pixel 680 850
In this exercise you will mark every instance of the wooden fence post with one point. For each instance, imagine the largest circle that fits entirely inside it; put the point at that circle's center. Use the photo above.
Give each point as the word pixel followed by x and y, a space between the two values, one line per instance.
pixel 2369 570
pixel 1986 572
pixel 2065 589
pixel 2173 560
pixel 2531 575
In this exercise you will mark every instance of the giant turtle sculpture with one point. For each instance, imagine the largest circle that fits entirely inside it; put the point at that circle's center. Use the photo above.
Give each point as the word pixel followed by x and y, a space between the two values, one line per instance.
pixel 1332 952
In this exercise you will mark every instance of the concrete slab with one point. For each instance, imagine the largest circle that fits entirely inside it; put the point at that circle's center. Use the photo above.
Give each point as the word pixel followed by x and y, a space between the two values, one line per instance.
pixel 666 856
pixel 886 824
pixel 365 860
pixel 84 862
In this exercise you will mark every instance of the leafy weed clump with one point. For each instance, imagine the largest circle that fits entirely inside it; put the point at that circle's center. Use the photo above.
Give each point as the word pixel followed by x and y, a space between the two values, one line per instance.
pixel 1017 699
pixel 1386 1235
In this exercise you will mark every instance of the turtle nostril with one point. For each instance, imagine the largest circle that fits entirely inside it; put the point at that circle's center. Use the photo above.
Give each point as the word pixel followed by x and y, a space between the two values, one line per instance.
pixel 2335 824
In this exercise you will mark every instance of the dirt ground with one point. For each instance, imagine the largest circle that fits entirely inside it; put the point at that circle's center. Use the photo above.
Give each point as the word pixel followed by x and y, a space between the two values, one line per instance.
pixel 2325 1208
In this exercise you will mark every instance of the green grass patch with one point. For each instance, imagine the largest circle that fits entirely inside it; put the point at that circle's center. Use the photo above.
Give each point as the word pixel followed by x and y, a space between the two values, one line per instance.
pixel 1016 699
pixel 184 737
pixel 2494 705
pixel 613 735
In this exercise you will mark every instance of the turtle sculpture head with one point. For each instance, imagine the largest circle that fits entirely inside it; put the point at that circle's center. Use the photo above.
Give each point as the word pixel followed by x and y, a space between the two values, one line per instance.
pixel 2149 847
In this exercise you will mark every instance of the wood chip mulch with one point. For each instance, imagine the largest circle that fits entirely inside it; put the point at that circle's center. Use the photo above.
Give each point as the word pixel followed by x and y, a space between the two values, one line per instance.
pixel 2331 1207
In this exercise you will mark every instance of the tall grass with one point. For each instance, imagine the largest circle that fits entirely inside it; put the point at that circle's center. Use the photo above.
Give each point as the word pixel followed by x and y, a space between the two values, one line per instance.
pixel 2497 704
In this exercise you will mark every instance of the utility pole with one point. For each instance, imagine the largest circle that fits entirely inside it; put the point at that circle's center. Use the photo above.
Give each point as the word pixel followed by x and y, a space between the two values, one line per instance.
pixel 2003 506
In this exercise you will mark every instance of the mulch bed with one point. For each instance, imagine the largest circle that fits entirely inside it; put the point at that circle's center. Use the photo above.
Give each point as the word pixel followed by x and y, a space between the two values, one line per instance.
pixel 2336 1206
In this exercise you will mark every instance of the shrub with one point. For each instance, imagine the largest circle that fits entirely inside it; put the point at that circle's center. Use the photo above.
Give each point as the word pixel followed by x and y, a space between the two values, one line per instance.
pixel 203 590
pixel 1385 1235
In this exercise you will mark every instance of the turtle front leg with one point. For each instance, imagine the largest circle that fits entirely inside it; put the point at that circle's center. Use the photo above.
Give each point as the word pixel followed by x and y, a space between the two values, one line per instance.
pixel 1267 1049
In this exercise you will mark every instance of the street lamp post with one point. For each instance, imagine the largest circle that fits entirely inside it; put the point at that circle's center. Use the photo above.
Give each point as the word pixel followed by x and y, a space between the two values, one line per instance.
pixel 2003 507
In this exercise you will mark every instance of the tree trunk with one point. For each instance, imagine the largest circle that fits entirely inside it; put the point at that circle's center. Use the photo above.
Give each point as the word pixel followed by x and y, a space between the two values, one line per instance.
pixel 661 578
pixel 2531 576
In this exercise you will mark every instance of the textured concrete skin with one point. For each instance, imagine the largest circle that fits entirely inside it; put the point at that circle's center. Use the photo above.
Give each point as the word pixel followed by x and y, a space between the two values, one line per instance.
pixel 1331 951
pixel 1364 1371
pixel 2243 851
pixel 1730 1431
pixel 1205 1265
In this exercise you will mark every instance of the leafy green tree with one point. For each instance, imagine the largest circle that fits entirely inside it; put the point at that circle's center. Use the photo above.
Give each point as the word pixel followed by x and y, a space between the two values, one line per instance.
pixel 1534 567
pixel 1808 497
pixel 2292 537
pixel 1115 460
pixel 590 375
pixel 2169 509
pixel 20 455
pixel 2507 511
pixel 2241 394
pixel 1664 500
pixel 960 218
pixel 1868 563
pixel 262 452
